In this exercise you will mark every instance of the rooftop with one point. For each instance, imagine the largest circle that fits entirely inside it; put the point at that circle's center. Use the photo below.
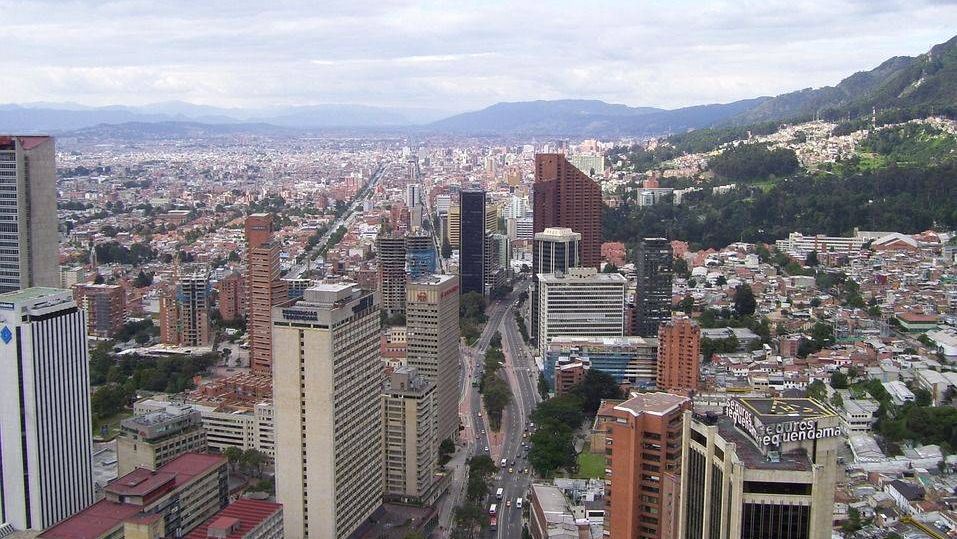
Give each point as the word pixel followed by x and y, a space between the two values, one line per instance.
pixel 248 513
pixel 30 294
pixel 772 410
pixel 652 403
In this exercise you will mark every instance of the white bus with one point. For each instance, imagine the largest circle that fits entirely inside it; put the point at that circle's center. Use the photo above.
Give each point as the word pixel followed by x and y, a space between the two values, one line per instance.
pixel 499 493
pixel 518 503
pixel 491 510
pixel 504 463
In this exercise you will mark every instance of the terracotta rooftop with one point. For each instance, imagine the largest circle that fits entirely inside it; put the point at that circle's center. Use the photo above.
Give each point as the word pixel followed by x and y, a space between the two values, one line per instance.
pixel 241 517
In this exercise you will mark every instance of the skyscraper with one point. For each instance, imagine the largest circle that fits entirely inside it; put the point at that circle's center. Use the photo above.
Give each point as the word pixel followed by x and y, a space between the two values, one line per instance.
pixel 46 473
pixel 390 252
pixel 420 256
pixel 556 249
pixel 192 294
pixel 455 226
pixel 472 244
pixel 29 238
pixel 766 468
pixel 409 418
pixel 643 444
pixel 564 196
pixel 327 383
pixel 264 289
pixel 678 350
pixel 655 268
pixel 580 302
pixel 432 324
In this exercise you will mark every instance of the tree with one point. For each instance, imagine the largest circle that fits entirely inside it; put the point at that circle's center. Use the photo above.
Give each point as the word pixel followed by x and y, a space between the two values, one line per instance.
pixel 686 305
pixel 839 380
pixel 853 523
pixel 681 267
pixel 837 400
pixel 922 397
pixel 823 334
pixel 721 280
pixel 446 448
pixel 234 456
pixel 816 390
pixel 744 302
pixel 252 461
pixel 496 340
pixel 811 259
pixel 595 387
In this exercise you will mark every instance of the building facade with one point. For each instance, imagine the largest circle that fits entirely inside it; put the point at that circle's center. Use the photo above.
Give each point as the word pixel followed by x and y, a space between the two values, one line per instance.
pixel 766 468
pixel 472 243
pixel 153 504
pixel 679 351
pixel 327 382
pixel 580 302
pixel 432 343
pixel 29 235
pixel 46 473
pixel 654 266
pixel 193 298
pixel 411 444
pixel 390 252
pixel 420 256
pixel 264 289
pixel 232 297
pixel 629 360
pixel 151 440
pixel 556 249
pixel 566 197
pixel 643 452
pixel 105 307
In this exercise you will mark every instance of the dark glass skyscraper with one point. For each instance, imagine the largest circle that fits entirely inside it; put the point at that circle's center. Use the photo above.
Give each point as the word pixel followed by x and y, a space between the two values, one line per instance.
pixel 472 241
pixel 654 264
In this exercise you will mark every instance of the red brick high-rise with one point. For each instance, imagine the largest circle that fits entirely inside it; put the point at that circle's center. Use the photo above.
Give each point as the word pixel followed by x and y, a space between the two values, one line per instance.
pixel 566 197
pixel 679 344
pixel 263 289
pixel 232 297
pixel 643 449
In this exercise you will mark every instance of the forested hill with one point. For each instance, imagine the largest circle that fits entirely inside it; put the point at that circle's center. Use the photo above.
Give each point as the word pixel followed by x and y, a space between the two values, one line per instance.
pixel 902 179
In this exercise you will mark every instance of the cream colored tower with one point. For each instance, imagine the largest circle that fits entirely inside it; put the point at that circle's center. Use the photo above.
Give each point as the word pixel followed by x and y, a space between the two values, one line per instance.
pixel 327 381
pixel 432 322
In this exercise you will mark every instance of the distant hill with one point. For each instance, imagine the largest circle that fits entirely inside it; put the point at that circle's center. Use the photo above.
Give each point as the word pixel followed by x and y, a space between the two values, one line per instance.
pixel 913 82
pixel 574 117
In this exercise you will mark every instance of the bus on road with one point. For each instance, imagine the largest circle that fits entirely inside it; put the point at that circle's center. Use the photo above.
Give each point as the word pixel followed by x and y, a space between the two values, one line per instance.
pixel 499 493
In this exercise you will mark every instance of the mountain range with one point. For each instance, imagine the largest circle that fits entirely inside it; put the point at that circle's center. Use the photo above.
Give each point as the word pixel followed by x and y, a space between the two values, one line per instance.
pixel 927 82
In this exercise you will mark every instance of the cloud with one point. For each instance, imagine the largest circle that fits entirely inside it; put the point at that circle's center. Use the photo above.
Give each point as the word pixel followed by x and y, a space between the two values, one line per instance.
pixel 459 55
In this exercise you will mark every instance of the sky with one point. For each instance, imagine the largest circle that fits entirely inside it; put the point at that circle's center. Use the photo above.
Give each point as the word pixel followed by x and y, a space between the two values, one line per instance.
pixel 450 55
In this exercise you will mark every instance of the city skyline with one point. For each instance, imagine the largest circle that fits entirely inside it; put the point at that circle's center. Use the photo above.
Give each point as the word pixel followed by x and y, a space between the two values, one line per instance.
pixel 430 60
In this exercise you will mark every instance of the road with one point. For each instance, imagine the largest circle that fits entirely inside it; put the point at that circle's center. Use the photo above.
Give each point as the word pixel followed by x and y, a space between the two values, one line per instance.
pixel 346 220
pixel 522 377
pixel 476 438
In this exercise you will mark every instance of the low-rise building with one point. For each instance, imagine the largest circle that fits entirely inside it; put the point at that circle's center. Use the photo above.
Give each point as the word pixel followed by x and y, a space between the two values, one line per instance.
pixel 153 439
pixel 148 504
pixel 244 519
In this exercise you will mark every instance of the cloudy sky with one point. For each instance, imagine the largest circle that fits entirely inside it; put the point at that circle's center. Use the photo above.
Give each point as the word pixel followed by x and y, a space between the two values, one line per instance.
pixel 449 55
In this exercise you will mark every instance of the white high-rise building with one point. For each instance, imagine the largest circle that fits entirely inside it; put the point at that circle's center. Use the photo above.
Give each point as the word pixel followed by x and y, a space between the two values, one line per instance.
pixel 28 219
pixel 580 301
pixel 432 323
pixel 45 436
pixel 327 382
pixel 411 447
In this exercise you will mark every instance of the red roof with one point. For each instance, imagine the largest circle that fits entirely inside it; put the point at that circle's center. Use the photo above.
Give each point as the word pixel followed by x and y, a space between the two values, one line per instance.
pixel 249 514
pixel 93 522
pixel 102 517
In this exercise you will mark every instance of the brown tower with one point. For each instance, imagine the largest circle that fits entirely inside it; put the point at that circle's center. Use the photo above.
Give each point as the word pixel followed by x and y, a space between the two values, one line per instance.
pixel 566 197
pixel 679 344
pixel 263 289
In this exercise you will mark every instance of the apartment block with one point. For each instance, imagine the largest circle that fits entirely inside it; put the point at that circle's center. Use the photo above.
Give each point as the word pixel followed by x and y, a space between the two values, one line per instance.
pixel 264 289
pixel 105 306
pixel 643 448
pixel 679 351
